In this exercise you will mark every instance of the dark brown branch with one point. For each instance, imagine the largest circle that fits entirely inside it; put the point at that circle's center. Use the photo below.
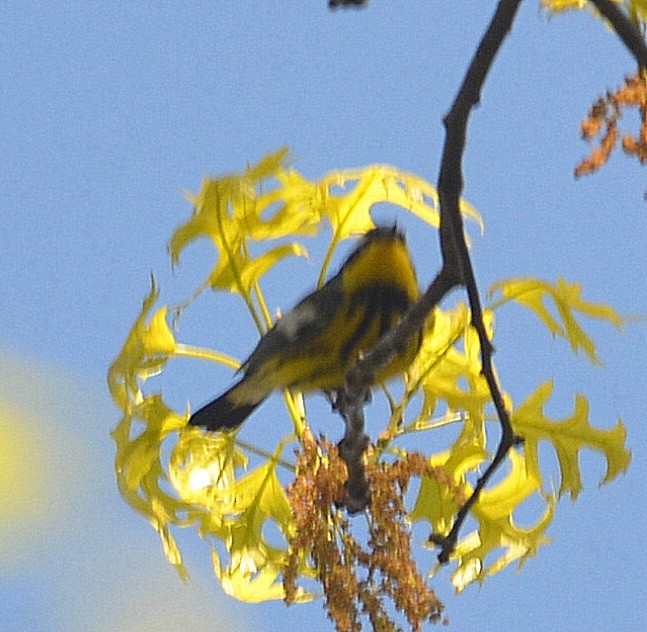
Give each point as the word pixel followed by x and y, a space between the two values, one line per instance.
pixel 625 29
pixel 335 4
pixel 456 270
pixel 450 186
pixel 453 244
pixel 350 400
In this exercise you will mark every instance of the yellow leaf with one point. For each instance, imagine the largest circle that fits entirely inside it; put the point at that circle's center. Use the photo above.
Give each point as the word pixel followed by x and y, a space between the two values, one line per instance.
pixel 558 6
pixel 200 483
pixel 157 337
pixel 498 503
pixel 269 165
pixel 452 375
pixel 177 477
pixel 251 270
pixel 236 207
pixel 229 210
pixel 292 208
pixel 436 502
pixel 171 550
pixel 223 204
pixel 568 437
pixel 202 469
pixel 494 511
pixel 143 355
pixel 349 214
pixel 253 587
pixel 555 6
pixel 640 7
pixel 532 293
pixel 253 573
pixel 211 216
pixel 226 274
pixel 261 490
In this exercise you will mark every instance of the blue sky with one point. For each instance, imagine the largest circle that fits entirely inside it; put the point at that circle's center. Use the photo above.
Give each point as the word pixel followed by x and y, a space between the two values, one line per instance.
pixel 109 112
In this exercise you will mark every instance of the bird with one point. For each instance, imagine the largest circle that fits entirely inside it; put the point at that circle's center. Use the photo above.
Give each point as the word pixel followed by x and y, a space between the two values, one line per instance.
pixel 313 346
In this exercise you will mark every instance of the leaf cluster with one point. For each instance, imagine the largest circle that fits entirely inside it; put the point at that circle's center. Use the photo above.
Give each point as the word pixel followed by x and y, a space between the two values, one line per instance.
pixel 178 477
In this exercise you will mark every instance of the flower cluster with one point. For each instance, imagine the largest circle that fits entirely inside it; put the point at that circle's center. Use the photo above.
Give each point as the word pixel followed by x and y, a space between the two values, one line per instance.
pixel 606 113
pixel 358 579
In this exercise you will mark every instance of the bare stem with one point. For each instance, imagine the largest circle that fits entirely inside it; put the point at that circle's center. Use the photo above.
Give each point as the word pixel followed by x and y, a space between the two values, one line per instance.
pixel 452 238
pixel 625 28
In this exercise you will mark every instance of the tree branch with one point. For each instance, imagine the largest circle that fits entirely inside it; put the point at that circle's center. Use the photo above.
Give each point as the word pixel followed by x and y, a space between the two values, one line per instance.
pixel 350 400
pixel 625 29
pixel 454 246
pixel 335 4
pixel 456 270
pixel 450 186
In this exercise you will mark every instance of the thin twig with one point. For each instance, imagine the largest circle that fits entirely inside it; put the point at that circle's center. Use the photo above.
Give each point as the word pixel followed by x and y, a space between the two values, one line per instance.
pixel 625 29
pixel 450 185
pixel 253 449
pixel 335 4
pixel 456 270
pixel 350 400
pixel 454 245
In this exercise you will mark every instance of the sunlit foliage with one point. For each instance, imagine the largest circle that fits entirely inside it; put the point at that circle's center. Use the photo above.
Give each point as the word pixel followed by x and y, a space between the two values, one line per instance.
pixel 205 482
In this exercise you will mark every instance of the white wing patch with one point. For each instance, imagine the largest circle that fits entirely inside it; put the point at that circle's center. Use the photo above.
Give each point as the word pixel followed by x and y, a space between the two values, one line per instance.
pixel 296 319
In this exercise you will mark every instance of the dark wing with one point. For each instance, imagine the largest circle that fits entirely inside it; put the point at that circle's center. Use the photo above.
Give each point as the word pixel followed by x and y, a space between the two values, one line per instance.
pixel 302 324
pixel 225 411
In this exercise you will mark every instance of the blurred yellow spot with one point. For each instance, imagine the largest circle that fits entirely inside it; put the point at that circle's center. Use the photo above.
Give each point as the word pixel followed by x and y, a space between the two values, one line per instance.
pixel 199 478
pixel 24 475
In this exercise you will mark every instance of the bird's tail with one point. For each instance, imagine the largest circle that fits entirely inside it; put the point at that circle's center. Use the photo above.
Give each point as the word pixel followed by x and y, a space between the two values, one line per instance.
pixel 225 412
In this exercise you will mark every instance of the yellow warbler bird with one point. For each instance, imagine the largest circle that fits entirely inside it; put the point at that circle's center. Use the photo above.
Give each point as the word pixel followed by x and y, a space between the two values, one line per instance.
pixel 315 344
